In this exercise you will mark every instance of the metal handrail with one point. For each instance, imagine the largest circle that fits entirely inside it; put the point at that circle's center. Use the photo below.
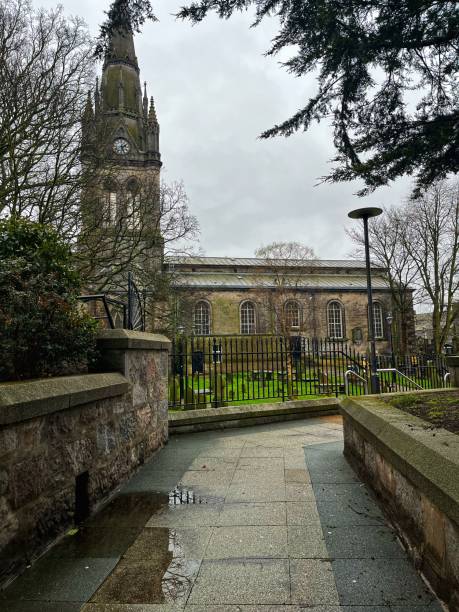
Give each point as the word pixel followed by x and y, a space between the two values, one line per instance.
pixel 400 374
pixel 445 377
pixel 346 381
pixel 105 302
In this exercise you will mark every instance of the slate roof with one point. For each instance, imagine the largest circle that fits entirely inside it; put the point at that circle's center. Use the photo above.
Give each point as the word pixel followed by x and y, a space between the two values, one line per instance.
pixel 259 262
pixel 234 280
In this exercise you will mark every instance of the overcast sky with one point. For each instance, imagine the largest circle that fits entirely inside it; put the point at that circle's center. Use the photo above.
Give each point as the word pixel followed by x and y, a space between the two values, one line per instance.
pixel 215 93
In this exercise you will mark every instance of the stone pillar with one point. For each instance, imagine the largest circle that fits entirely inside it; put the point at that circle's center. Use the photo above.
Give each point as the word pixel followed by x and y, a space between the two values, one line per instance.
pixel 452 363
pixel 143 358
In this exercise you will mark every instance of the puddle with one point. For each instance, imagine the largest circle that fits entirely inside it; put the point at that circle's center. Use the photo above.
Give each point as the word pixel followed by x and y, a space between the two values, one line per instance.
pixel 183 496
pixel 155 566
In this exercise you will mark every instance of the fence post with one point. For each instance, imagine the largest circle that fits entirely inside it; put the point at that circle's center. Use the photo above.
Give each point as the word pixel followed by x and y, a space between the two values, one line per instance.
pixel 452 363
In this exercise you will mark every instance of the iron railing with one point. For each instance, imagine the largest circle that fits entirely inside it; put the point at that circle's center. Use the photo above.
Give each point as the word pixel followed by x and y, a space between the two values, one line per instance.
pixel 115 312
pixel 217 371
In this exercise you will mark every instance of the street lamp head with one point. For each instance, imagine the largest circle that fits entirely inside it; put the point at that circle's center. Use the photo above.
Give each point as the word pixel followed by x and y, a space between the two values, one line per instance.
pixel 365 213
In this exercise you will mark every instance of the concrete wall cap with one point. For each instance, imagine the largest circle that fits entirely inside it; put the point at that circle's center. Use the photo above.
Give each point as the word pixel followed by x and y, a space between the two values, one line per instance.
pixel 452 361
pixel 207 415
pixel 427 457
pixel 21 401
pixel 119 339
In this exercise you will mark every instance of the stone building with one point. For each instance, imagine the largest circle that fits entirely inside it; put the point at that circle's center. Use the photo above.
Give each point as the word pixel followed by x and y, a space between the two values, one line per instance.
pixel 316 299
pixel 218 295
pixel 120 148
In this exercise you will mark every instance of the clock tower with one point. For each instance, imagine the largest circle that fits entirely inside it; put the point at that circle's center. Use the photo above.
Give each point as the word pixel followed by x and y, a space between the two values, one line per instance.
pixel 120 148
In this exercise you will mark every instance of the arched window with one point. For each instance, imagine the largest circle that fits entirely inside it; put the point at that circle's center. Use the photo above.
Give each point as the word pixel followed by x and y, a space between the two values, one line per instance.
pixel 335 320
pixel 378 320
pixel 292 314
pixel 133 217
pixel 201 319
pixel 248 319
pixel 109 204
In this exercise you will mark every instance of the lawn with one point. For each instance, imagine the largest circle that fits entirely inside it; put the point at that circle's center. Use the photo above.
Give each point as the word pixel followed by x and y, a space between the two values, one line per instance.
pixel 440 410
pixel 237 389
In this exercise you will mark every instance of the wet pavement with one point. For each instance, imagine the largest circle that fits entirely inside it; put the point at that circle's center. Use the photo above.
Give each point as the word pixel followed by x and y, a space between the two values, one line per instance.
pixel 263 518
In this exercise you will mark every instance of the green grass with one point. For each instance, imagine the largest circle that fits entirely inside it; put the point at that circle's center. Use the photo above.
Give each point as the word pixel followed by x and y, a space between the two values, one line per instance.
pixel 239 389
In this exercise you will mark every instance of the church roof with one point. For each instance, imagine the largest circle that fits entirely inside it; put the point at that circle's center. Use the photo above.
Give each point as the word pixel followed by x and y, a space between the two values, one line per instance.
pixel 182 262
pixel 234 280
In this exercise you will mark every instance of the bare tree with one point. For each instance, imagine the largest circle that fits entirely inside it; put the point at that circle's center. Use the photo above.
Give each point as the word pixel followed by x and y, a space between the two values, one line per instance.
pixel 388 249
pixel 431 239
pixel 279 296
pixel 286 262
pixel 46 68
pixel 418 244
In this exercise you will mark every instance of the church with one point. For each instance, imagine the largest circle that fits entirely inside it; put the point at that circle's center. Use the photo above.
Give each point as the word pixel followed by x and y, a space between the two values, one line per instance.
pixel 215 295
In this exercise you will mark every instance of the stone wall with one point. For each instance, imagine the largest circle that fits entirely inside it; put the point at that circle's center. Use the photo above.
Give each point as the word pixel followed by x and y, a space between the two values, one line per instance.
pixel 66 443
pixel 414 471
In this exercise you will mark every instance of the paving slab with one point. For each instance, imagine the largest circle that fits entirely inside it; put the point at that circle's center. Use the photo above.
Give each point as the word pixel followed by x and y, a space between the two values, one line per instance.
pixel 253 513
pixel 39 606
pixel 213 464
pixel 248 542
pixel 343 492
pixel 312 582
pixel 363 542
pixel 302 513
pixel 377 582
pixel 60 580
pixel 297 476
pixel 295 492
pixel 161 542
pixel 242 581
pixel 157 581
pixel 257 608
pixel 243 492
pixel 307 542
pixel 93 607
pixel 260 463
pixel 339 513
pixel 254 450
pixel 197 515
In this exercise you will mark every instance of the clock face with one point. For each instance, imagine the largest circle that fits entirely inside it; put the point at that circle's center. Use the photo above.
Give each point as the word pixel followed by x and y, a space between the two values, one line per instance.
pixel 121 146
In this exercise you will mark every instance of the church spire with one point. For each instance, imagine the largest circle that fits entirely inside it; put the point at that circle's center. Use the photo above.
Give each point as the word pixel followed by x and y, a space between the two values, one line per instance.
pixel 121 49
pixel 125 114
pixel 152 119
pixel 87 125
pixel 145 102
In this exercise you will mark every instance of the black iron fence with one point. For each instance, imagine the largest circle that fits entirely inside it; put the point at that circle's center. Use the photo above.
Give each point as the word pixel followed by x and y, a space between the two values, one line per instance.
pixel 218 371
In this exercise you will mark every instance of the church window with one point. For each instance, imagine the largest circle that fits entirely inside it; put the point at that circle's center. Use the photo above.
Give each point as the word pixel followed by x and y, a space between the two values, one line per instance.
pixel 109 206
pixel 292 314
pixel 133 217
pixel 335 320
pixel 202 319
pixel 378 320
pixel 248 319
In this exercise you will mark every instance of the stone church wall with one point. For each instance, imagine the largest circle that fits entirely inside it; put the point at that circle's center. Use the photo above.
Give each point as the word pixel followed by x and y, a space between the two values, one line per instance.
pixel 225 312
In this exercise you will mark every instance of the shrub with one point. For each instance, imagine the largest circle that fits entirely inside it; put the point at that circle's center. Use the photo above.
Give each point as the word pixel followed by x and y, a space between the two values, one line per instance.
pixel 44 330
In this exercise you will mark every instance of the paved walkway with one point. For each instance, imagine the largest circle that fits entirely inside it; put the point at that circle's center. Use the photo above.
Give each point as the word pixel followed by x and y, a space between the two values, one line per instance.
pixel 264 518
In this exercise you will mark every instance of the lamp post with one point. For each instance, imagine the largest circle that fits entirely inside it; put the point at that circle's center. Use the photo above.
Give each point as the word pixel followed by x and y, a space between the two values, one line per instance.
pixel 389 320
pixel 365 214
